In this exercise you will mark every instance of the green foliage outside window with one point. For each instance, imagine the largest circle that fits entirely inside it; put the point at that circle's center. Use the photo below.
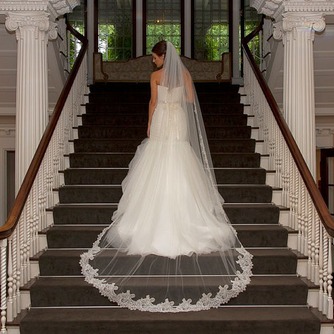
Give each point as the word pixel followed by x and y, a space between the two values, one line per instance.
pixel 216 41
pixel 254 44
pixel 157 32
pixel 113 45
pixel 75 44
pixel 107 37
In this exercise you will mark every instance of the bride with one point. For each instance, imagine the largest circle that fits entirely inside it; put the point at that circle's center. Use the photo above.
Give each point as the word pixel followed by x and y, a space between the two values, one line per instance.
pixel 170 246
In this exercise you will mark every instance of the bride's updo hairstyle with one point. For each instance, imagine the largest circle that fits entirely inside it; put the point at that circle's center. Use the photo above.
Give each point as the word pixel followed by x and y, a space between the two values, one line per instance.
pixel 160 48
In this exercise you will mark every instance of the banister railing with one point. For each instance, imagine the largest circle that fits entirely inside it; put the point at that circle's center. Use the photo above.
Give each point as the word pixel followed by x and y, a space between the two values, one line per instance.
pixel 19 235
pixel 309 215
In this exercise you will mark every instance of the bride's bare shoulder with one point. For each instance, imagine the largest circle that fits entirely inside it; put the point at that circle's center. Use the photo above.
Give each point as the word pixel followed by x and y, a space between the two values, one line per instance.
pixel 156 76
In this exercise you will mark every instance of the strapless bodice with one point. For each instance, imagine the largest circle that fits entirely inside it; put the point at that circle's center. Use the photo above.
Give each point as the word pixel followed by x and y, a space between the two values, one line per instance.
pixel 166 95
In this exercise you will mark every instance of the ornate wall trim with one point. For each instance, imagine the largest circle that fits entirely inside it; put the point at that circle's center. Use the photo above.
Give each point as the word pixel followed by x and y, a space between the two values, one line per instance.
pixel 276 8
pixel 54 7
pixel 325 136
pixel 7 131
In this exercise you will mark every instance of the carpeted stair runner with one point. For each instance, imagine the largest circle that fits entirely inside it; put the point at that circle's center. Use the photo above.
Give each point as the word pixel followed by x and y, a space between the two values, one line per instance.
pixel 114 124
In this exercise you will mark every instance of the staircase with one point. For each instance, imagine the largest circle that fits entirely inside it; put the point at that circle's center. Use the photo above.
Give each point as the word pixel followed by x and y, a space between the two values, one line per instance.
pixel 114 124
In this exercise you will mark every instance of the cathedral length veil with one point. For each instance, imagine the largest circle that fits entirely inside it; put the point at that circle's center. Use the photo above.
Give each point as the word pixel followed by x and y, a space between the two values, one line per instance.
pixel 170 247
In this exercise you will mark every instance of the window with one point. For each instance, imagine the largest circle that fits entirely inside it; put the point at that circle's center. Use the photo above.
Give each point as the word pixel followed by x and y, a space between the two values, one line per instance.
pixel 115 33
pixel 163 21
pixel 211 29
pixel 251 20
pixel 77 21
pixel 216 41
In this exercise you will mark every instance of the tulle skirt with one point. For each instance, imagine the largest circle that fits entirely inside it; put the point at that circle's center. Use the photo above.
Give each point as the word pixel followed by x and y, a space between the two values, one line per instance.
pixel 170 246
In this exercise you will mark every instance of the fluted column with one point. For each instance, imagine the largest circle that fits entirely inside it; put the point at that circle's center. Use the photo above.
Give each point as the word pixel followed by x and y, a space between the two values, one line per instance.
pixel 33 30
pixel 295 22
pixel 297 31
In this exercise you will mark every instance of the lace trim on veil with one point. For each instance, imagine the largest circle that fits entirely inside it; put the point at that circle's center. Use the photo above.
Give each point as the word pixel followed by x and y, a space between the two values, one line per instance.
pixel 127 299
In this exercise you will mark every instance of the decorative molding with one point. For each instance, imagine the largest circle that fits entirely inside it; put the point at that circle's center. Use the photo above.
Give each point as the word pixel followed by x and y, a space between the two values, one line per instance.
pixel 15 21
pixel 54 7
pixel 271 8
pixel 325 131
pixel 320 6
pixel 291 21
pixel 278 30
pixel 7 131
pixel 276 8
pixel 60 7
pixel 311 21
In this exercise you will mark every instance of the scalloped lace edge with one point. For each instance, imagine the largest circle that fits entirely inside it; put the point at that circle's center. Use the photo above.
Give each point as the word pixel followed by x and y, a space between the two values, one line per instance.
pixel 127 299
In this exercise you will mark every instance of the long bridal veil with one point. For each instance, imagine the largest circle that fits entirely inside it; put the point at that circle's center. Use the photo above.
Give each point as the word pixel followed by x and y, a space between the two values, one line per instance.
pixel 170 246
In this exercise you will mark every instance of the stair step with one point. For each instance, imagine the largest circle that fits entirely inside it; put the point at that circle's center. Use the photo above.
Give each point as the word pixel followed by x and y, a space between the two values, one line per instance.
pixel 133 132
pixel 119 97
pixel 60 262
pixel 240 193
pixel 227 320
pixel 81 236
pixel 130 145
pixel 113 126
pixel 232 145
pixel 99 118
pixel 74 291
pixel 101 214
pixel 218 87
pixel 103 160
pixel 116 176
pixel 141 108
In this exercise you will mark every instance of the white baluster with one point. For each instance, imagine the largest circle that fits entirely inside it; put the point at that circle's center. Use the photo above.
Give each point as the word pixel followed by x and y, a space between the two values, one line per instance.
pixel 330 280
pixel 308 246
pixel 317 249
pixel 321 269
pixel 325 272
pixel 51 152
pixel 34 219
pixel 10 281
pixel 313 224
pixel 29 236
pixel 3 251
pixel 23 247
pixel 302 213
pixel 15 279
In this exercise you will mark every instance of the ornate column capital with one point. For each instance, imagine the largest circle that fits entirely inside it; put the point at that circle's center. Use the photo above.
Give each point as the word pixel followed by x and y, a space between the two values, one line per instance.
pixel 38 21
pixel 313 22
pixel 291 21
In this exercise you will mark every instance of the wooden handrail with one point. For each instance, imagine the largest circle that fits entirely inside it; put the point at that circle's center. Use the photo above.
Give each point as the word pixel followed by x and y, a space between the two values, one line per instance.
pixel 14 215
pixel 311 186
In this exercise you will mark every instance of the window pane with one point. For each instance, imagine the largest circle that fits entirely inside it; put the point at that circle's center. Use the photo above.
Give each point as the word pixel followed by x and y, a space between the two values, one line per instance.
pixel 211 29
pixel 77 20
pixel 115 29
pixel 252 20
pixel 163 21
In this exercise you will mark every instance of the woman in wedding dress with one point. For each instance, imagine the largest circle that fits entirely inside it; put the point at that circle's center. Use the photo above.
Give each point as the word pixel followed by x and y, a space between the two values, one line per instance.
pixel 170 246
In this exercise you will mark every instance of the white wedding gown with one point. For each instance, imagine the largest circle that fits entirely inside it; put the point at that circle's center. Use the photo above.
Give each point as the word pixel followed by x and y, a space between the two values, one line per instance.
pixel 167 249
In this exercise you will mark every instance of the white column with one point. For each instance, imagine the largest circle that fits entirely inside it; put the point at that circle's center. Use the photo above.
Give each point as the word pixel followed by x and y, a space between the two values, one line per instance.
pixel 298 101
pixel 32 32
